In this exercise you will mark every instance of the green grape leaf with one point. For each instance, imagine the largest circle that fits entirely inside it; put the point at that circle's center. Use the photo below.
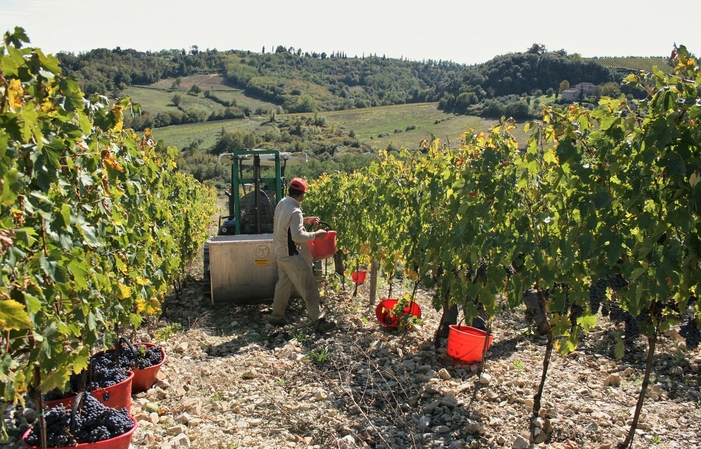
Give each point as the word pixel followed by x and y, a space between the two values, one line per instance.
pixel 11 185
pixel 33 303
pixel 50 62
pixel 81 272
pixel 587 322
pixel 619 349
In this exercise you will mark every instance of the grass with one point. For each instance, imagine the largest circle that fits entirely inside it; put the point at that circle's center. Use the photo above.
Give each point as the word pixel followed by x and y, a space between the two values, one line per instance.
pixel 367 124
pixel 379 127
pixel 318 357
pixel 168 331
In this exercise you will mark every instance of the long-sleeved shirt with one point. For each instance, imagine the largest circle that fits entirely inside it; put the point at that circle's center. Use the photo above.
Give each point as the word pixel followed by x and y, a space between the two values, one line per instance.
pixel 288 228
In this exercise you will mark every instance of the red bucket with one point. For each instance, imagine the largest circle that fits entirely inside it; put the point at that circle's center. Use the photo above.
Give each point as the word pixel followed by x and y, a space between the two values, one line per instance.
pixel 383 312
pixel 323 248
pixel 145 377
pixel 359 276
pixel 116 396
pixel 466 343
pixel 122 441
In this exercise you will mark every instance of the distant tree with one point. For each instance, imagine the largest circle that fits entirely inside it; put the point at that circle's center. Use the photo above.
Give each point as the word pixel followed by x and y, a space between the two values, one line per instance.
pixel 234 141
pixel 550 92
pixel 194 90
pixel 177 99
pixel 176 83
pixel 536 49
pixel 609 90
pixel 263 51
pixel 564 85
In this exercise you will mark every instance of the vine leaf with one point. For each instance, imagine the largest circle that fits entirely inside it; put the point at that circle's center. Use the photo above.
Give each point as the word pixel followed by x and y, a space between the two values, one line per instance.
pixel 587 322
pixel 13 316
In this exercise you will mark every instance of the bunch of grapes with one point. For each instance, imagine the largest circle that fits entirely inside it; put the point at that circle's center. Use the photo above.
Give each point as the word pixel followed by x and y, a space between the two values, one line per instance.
pixel 691 333
pixel 618 315
pixel 58 432
pixel 145 357
pixel 576 311
pixel 98 422
pixel 102 372
pixel 510 271
pixel 597 293
pixel 92 422
pixel 632 330
pixel 617 282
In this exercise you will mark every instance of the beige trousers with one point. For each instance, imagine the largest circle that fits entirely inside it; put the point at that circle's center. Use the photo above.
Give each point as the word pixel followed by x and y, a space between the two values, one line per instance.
pixel 294 271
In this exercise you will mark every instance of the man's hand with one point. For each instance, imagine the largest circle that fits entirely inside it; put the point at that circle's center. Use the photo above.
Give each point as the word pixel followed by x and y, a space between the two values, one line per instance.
pixel 321 233
pixel 313 221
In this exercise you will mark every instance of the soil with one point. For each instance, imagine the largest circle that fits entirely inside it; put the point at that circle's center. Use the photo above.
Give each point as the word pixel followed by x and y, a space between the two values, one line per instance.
pixel 232 380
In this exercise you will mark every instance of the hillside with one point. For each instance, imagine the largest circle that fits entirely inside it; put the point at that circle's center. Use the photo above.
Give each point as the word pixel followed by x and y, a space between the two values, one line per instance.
pixel 331 106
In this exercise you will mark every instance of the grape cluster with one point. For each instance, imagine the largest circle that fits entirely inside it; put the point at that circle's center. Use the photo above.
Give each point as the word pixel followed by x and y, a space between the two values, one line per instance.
pixel 92 422
pixel 632 330
pixel 510 270
pixel 145 357
pixel 102 372
pixel 691 333
pixel 99 422
pixel 597 293
pixel 576 311
pixel 618 315
pixel 58 433
pixel 617 282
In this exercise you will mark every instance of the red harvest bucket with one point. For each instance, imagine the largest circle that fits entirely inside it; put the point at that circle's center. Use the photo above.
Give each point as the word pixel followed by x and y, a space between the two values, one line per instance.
pixel 359 276
pixel 383 312
pixel 116 396
pixel 122 441
pixel 145 377
pixel 323 248
pixel 466 343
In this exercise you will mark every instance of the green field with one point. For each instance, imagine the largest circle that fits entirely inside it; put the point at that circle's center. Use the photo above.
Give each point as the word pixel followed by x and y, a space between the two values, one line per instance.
pixel 635 63
pixel 367 124
pixel 378 128
pixel 157 97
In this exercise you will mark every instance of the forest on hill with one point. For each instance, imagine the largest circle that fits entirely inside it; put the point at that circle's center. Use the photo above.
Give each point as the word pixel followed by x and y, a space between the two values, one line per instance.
pixel 303 82
pixel 292 90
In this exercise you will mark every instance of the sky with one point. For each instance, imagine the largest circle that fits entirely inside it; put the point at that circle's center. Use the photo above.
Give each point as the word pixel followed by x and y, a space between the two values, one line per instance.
pixel 460 31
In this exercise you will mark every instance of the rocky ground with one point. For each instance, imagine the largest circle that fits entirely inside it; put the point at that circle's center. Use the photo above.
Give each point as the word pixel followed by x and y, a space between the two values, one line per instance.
pixel 231 380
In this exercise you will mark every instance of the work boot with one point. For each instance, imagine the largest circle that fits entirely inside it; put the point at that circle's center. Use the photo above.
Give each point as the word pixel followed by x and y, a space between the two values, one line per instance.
pixel 323 325
pixel 277 322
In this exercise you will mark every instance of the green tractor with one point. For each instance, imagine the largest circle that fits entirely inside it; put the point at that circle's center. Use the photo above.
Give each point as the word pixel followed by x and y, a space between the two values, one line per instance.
pixel 239 265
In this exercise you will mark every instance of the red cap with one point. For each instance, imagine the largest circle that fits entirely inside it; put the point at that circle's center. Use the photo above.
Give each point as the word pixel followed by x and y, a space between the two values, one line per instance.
pixel 298 184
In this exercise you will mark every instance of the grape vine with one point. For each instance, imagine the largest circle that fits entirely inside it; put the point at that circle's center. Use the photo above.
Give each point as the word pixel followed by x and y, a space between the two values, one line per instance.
pixel 96 222
pixel 599 199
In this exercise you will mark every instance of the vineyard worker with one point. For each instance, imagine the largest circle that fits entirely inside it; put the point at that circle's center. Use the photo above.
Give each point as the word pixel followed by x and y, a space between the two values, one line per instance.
pixel 292 269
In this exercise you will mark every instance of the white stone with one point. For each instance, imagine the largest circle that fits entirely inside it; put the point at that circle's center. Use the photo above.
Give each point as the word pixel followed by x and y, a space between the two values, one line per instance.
pixel 183 418
pixel 444 374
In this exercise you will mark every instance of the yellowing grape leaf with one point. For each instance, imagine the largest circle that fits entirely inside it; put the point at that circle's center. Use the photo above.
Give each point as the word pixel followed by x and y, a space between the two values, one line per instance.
pixel 124 291
pixel 13 315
